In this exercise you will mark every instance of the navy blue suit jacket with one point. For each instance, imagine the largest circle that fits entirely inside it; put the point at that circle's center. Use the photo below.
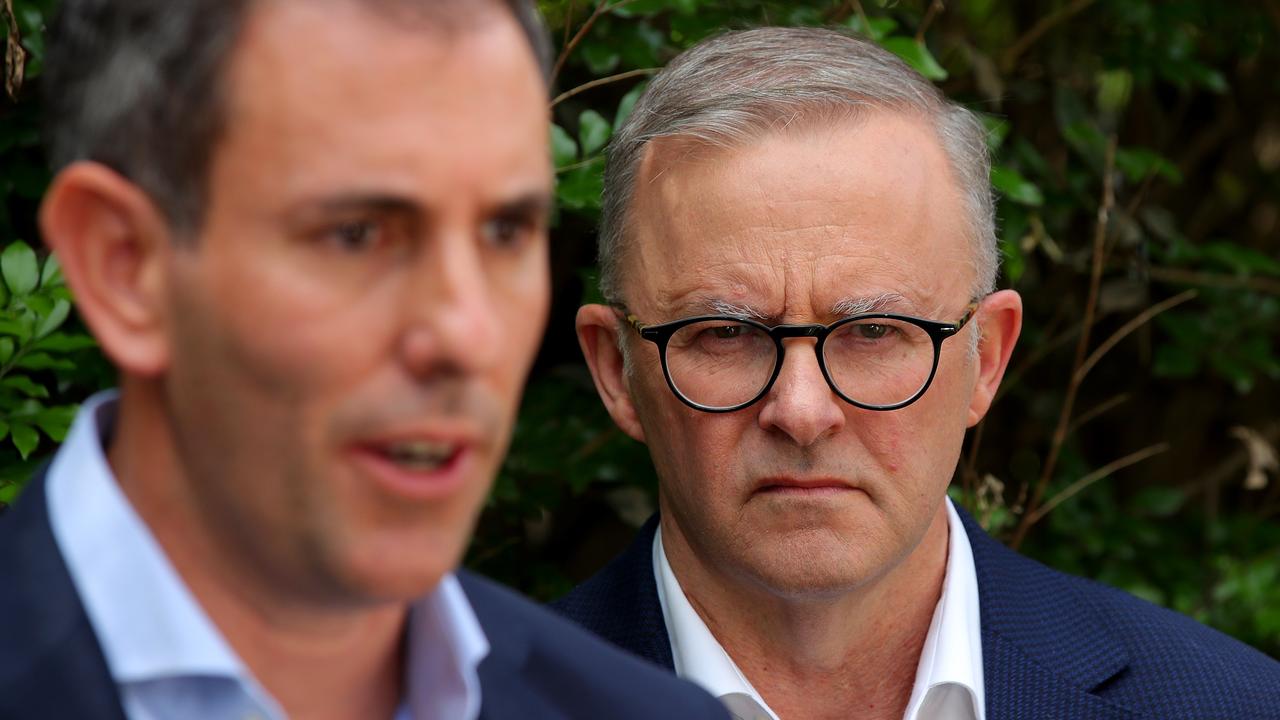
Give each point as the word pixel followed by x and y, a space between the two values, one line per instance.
pixel 539 666
pixel 1053 646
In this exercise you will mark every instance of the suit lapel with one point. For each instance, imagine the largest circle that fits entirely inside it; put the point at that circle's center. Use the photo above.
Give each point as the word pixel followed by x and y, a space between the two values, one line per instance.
pixel 50 662
pixel 1045 648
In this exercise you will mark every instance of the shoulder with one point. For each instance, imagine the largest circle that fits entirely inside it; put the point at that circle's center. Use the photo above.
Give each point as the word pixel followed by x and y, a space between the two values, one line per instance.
pixel 620 603
pixel 1167 664
pixel 1180 665
pixel 572 670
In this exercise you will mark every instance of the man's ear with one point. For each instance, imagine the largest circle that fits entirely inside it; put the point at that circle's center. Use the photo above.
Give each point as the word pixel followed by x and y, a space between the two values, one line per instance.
pixel 113 245
pixel 1000 321
pixel 598 335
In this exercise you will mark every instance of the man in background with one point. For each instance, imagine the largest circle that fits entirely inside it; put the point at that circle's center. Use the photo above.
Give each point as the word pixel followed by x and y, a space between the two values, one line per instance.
pixel 312 238
pixel 798 244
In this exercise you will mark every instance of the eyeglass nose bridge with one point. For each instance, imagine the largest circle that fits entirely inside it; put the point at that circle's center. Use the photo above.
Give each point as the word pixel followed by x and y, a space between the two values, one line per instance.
pixel 782 332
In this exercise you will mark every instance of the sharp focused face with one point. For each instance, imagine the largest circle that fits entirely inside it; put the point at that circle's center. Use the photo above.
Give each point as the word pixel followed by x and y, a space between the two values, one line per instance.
pixel 353 326
pixel 801 492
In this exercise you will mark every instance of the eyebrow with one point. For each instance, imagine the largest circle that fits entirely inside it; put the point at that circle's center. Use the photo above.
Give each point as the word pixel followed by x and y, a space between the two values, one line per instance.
pixel 531 204
pixel 861 305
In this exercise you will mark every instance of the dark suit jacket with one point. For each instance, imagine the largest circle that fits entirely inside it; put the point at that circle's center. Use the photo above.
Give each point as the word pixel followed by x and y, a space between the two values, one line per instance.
pixel 1053 646
pixel 539 666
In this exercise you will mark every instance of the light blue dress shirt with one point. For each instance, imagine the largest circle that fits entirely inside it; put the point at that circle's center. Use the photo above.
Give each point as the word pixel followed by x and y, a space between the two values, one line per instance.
pixel 167 657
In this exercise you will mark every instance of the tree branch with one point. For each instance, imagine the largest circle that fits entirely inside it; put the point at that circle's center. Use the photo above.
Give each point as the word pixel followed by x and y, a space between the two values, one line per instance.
pixel 1095 476
pixel 1045 24
pixel 1082 347
pixel 602 81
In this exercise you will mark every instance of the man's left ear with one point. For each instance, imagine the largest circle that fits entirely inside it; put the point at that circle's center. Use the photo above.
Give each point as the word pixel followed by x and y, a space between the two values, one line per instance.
pixel 1000 321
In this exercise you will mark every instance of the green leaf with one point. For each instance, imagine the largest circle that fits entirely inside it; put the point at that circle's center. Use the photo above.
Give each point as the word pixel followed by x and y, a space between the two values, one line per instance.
pixel 1159 501
pixel 563 148
pixel 627 104
pixel 580 188
pixel 25 438
pixel 876 28
pixel 1114 89
pixel 1012 185
pixel 55 421
pixel 51 274
pixel 52 321
pixel 25 385
pixel 1172 361
pixel 39 304
pixel 62 342
pixel 20 268
pixel 1241 259
pixel 1141 163
pixel 4 429
pixel 593 132
pixel 916 55
pixel 7 347
pixel 601 57
pixel 43 361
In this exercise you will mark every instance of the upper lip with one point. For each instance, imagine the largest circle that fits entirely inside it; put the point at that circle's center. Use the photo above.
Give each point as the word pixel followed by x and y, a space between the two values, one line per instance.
pixel 447 435
pixel 803 482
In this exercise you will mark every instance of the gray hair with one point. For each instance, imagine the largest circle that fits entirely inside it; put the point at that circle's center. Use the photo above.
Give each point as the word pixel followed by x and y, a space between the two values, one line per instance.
pixel 734 87
pixel 137 85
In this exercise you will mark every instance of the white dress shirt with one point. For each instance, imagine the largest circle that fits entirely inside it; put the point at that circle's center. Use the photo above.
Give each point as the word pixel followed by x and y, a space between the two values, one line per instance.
pixel 948 684
pixel 167 657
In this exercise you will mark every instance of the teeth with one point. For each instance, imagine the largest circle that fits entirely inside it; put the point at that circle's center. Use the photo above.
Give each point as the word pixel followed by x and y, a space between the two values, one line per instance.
pixel 420 454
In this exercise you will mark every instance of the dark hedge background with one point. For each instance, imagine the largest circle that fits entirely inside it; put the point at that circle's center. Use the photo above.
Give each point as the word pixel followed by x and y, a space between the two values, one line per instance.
pixel 1138 163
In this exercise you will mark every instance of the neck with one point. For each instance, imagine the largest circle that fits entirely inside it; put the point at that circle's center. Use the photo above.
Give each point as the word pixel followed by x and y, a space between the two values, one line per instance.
pixel 849 655
pixel 315 659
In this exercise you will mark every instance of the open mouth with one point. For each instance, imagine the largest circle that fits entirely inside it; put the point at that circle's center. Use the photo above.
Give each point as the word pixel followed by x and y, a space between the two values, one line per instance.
pixel 420 455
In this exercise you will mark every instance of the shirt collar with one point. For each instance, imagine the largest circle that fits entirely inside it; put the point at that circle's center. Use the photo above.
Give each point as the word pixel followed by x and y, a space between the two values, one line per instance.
pixel 147 621
pixel 446 646
pixel 951 658
pixel 151 627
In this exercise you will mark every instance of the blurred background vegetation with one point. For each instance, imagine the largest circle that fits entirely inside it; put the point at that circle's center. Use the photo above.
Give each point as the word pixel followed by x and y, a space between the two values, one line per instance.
pixel 1137 147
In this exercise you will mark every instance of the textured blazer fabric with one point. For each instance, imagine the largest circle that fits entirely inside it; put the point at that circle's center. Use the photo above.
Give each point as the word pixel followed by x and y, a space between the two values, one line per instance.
pixel 1054 647
pixel 540 666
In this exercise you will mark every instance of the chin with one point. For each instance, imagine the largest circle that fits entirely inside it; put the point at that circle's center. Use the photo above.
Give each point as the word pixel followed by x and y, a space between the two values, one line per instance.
pixel 395 568
pixel 816 564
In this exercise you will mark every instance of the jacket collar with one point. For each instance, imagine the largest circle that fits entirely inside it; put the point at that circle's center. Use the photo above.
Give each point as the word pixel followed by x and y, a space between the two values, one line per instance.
pixel 50 662
pixel 1044 644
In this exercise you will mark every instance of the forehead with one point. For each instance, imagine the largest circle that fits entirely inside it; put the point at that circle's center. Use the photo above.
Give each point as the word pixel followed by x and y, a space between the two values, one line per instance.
pixel 800 220
pixel 320 93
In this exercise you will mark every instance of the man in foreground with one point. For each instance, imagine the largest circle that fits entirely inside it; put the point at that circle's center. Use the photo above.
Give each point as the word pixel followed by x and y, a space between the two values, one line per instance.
pixel 798 243
pixel 312 237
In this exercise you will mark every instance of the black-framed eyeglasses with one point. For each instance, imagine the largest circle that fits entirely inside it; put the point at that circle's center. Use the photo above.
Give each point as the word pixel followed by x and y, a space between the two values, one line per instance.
pixel 875 361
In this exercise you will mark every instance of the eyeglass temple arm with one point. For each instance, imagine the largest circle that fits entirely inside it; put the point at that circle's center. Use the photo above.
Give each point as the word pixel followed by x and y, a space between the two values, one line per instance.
pixel 631 319
pixel 969 312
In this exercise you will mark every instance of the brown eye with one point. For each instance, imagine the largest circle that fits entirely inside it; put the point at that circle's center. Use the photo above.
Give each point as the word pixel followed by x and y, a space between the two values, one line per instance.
pixel 509 231
pixel 355 236
pixel 873 331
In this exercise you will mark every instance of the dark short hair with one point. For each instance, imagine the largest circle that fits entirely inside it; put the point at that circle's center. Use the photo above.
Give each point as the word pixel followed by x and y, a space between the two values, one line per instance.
pixel 137 85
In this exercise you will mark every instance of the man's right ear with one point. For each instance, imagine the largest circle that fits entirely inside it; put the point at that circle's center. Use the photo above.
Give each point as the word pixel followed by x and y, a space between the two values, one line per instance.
pixel 598 335
pixel 113 245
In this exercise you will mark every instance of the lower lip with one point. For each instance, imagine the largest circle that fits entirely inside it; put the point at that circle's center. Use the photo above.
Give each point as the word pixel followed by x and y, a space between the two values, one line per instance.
pixel 411 484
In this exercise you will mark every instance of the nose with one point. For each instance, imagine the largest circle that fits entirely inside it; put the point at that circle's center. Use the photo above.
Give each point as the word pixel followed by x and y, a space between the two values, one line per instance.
pixel 801 404
pixel 452 322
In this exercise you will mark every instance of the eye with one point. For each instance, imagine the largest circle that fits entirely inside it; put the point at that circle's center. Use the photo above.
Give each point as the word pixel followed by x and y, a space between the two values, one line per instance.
pixel 873 331
pixel 727 332
pixel 507 232
pixel 354 236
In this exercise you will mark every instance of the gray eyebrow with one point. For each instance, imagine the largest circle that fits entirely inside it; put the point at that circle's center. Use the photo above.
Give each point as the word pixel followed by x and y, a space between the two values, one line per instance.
pixel 721 307
pixel 868 304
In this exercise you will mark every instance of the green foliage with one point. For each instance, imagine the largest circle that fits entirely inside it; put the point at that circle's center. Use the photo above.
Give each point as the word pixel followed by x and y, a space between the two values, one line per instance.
pixel 1151 99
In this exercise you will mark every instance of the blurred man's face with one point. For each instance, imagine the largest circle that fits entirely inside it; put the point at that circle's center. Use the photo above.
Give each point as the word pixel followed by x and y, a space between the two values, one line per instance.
pixel 352 328
pixel 802 493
